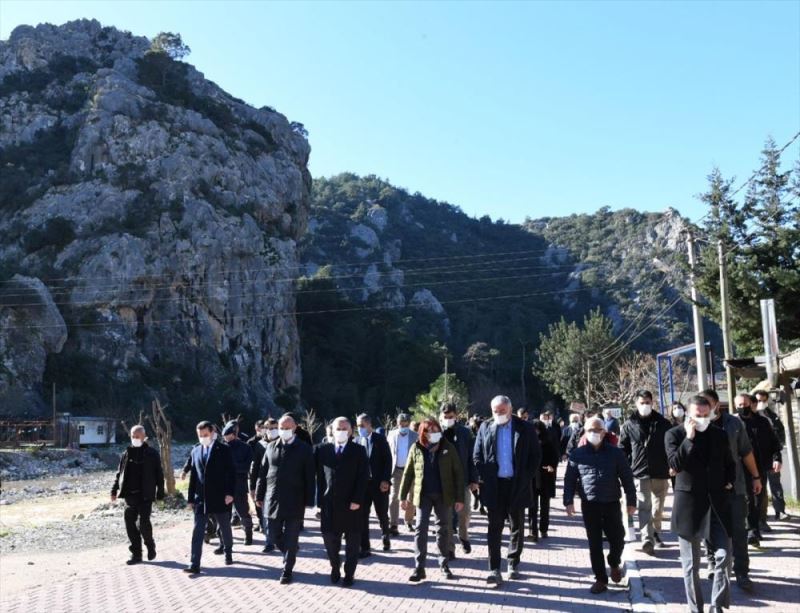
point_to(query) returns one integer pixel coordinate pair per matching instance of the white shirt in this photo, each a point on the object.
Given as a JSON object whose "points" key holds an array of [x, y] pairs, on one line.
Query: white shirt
{"points": [[402, 450]]}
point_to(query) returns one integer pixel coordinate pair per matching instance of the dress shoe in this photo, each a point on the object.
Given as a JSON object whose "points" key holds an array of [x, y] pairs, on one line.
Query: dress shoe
{"points": [[657, 539], [410, 526], [248, 536], [336, 574], [466, 546], [446, 572], [647, 547], [754, 541], [744, 582], [616, 574], [387, 544], [348, 582], [393, 531], [236, 521], [764, 527], [494, 578], [544, 534], [513, 571], [598, 587], [417, 575], [285, 579], [365, 554], [228, 560], [268, 548], [192, 570], [151, 552], [219, 550], [134, 560]]}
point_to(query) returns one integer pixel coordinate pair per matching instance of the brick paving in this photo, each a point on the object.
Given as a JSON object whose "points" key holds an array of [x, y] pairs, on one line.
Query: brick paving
{"points": [[556, 577]]}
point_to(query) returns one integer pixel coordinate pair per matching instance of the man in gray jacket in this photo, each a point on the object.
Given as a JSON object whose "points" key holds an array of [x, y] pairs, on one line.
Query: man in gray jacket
{"points": [[401, 440]]}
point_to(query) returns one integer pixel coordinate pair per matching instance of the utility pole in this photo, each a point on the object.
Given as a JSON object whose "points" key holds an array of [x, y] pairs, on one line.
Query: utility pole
{"points": [[446, 398], [726, 331], [699, 339], [589, 384], [54, 414]]}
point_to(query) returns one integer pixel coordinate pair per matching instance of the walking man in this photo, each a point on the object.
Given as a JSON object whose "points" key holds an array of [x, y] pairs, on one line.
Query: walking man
{"points": [[380, 474], [400, 439]]}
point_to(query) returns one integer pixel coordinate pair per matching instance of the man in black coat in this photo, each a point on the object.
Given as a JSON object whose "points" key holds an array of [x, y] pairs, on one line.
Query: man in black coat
{"points": [[462, 439], [211, 486], [507, 456], [139, 480], [700, 455], [267, 433], [380, 475], [284, 489], [342, 473], [642, 439], [242, 455]]}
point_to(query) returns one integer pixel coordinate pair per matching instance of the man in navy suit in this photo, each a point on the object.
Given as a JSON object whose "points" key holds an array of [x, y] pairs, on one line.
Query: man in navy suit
{"points": [[379, 457], [342, 474], [211, 488]]}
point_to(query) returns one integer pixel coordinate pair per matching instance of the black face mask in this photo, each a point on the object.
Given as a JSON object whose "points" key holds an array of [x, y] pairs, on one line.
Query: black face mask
{"points": [[746, 411]]}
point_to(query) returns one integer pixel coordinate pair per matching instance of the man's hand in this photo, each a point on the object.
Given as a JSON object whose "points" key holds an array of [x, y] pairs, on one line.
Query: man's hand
{"points": [[757, 486], [191, 506], [384, 486], [459, 507], [549, 469], [183, 476], [672, 472], [228, 499], [690, 429], [570, 510], [473, 487], [113, 497], [776, 467], [631, 511], [259, 503], [404, 504], [354, 506]]}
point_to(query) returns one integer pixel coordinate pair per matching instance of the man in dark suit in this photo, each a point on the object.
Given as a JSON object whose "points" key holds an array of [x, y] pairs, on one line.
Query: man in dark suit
{"points": [[507, 454], [242, 455], [284, 489], [211, 486], [700, 455], [342, 473], [380, 475]]}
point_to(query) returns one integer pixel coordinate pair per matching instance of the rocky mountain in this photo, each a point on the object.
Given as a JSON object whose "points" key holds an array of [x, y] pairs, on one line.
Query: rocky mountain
{"points": [[148, 228]]}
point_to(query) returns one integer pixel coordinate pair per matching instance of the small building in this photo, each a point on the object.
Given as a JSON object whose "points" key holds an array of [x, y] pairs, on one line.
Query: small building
{"points": [[90, 430]]}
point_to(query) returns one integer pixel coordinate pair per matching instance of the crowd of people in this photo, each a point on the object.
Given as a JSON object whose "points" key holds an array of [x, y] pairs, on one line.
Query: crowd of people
{"points": [[439, 469]]}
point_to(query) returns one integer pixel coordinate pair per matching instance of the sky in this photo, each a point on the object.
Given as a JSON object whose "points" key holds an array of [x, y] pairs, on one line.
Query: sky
{"points": [[507, 109]]}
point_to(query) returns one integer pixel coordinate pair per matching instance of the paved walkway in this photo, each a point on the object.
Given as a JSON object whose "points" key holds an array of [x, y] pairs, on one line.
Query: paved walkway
{"points": [[556, 577]]}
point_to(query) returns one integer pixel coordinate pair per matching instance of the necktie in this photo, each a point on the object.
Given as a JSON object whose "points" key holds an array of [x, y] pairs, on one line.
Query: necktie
{"points": [[338, 451]]}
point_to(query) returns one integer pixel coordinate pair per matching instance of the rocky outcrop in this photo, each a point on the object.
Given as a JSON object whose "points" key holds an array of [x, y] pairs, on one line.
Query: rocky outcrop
{"points": [[162, 214]]}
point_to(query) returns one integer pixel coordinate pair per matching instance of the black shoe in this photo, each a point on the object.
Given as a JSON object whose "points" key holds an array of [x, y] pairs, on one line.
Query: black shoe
{"points": [[336, 574], [207, 538], [513, 571], [417, 575], [647, 547], [764, 527], [237, 521], [754, 541], [387, 544], [448, 574], [248, 536], [134, 560], [192, 570], [744, 582], [494, 578], [285, 579], [348, 582], [228, 560], [711, 572], [151, 552], [466, 546], [219, 550], [393, 531], [657, 539], [451, 556], [268, 548], [365, 554], [410, 526], [544, 534]]}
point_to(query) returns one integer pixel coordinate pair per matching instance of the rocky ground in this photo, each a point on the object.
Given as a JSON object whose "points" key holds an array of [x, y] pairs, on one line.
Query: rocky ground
{"points": [[57, 499]]}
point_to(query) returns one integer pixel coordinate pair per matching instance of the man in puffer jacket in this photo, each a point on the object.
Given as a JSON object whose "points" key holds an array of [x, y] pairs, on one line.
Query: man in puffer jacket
{"points": [[595, 472], [642, 440]]}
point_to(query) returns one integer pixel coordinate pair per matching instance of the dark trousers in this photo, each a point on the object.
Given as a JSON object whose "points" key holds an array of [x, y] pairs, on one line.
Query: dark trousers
{"points": [[138, 509], [200, 519], [776, 489], [285, 533], [428, 503], [380, 500], [241, 504], [333, 546], [603, 518], [539, 513], [740, 558], [497, 521], [754, 504]]}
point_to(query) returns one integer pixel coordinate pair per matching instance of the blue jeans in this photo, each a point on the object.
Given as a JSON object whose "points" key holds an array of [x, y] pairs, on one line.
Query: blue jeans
{"points": [[200, 519]]}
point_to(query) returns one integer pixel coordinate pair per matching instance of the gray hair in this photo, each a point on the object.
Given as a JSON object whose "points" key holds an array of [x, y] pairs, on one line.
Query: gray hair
{"points": [[365, 418], [592, 421], [500, 400], [335, 423], [285, 418], [136, 429]]}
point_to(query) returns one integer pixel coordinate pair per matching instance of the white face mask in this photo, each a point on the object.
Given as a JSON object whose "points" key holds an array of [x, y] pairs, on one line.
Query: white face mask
{"points": [[501, 419], [205, 441], [701, 423], [712, 415], [546, 423], [136, 442], [679, 413], [434, 437], [761, 406], [644, 409], [574, 425], [448, 422], [341, 436], [594, 437], [272, 434], [285, 433]]}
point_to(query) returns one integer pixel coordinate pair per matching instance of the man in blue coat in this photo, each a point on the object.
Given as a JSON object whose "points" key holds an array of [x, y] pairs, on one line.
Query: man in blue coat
{"points": [[211, 487]]}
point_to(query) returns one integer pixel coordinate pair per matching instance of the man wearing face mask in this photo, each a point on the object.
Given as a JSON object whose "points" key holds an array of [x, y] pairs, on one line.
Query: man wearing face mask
{"points": [[461, 438], [742, 452], [705, 473], [342, 474], [642, 440], [242, 455], [434, 473], [767, 453], [380, 474], [267, 432], [507, 456], [568, 432], [595, 471], [211, 487], [611, 422], [400, 439], [284, 489], [139, 481], [773, 477]]}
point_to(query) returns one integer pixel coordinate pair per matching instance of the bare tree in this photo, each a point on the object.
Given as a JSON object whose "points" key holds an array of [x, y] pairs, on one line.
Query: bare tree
{"points": [[163, 431], [311, 422], [631, 373]]}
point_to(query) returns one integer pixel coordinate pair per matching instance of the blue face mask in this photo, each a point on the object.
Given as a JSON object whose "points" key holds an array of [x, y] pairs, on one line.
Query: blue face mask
{"points": [[363, 432], [404, 430]]}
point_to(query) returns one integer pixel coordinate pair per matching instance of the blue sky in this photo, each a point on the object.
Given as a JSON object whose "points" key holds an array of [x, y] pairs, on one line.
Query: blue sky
{"points": [[508, 109]]}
